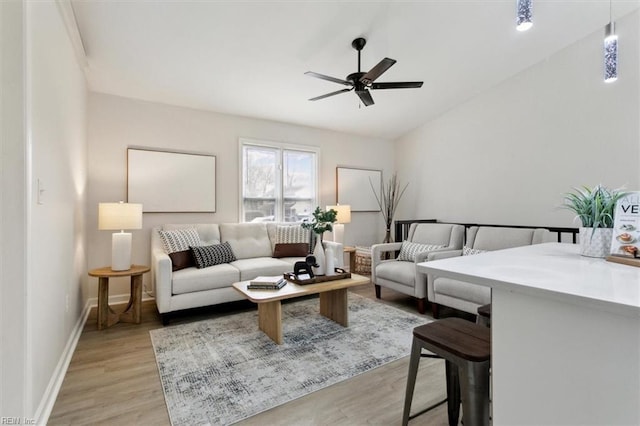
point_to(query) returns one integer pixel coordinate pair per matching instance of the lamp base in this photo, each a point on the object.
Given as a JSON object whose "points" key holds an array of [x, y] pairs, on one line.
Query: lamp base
{"points": [[121, 251], [338, 233]]}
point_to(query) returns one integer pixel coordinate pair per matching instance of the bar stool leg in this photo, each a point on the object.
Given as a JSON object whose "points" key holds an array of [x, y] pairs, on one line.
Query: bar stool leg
{"points": [[453, 393], [474, 383], [414, 361]]}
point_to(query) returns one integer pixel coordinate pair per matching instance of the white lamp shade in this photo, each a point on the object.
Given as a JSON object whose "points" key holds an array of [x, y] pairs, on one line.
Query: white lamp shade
{"points": [[114, 216], [344, 213]]}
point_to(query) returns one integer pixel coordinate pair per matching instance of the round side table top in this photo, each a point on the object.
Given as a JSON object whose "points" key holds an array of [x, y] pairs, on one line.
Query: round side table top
{"points": [[108, 272]]}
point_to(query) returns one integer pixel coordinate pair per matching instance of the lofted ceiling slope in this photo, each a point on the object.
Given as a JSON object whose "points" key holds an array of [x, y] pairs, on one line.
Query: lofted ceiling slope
{"points": [[248, 58]]}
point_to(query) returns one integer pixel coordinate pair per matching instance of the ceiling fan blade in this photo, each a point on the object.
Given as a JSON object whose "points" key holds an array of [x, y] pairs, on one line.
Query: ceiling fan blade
{"points": [[326, 77], [330, 94], [365, 97], [377, 71], [397, 85]]}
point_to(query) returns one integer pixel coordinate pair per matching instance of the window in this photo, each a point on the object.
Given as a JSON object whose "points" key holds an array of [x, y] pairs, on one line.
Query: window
{"points": [[279, 182]]}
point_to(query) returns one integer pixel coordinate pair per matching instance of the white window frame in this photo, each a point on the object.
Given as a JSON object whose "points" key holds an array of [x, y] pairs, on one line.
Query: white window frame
{"points": [[282, 147]]}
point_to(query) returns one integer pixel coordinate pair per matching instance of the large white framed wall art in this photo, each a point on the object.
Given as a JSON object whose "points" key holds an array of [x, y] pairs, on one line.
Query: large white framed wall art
{"points": [[353, 187], [174, 182]]}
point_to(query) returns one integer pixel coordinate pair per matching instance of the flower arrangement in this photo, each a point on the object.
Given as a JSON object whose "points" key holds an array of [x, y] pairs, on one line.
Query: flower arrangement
{"points": [[322, 221]]}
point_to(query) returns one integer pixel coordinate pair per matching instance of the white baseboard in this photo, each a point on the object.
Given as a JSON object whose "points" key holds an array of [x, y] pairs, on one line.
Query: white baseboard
{"points": [[53, 388], [51, 393], [117, 299]]}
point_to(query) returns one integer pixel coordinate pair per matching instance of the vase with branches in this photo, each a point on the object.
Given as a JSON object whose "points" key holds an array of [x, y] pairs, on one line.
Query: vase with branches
{"points": [[388, 200]]}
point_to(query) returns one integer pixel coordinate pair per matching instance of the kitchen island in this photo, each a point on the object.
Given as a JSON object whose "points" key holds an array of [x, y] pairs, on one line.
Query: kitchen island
{"points": [[565, 334]]}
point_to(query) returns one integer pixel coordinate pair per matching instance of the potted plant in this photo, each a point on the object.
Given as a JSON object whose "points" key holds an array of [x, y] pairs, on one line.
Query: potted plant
{"points": [[595, 208], [322, 222]]}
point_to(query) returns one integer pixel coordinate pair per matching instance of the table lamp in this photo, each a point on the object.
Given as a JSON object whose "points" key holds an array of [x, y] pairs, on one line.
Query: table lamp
{"points": [[120, 216], [343, 216]]}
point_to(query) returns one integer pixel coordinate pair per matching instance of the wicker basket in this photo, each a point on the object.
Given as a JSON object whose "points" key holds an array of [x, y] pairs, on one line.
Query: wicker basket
{"points": [[363, 260]]}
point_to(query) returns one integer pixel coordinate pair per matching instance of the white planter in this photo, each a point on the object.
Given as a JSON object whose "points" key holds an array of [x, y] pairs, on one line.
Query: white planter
{"points": [[595, 242], [318, 252]]}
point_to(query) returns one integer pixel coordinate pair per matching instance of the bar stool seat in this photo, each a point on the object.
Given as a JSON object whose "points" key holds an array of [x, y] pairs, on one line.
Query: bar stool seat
{"points": [[466, 348], [484, 315]]}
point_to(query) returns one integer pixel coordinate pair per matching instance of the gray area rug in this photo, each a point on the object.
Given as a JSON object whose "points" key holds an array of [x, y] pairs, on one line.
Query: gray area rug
{"points": [[223, 370]]}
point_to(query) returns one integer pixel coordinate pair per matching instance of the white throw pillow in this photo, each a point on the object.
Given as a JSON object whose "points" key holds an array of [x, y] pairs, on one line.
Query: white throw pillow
{"points": [[179, 239], [409, 250], [468, 251]]}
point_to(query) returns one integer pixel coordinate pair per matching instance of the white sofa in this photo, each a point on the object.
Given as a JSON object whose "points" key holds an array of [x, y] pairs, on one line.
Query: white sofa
{"points": [[469, 297], [252, 245]]}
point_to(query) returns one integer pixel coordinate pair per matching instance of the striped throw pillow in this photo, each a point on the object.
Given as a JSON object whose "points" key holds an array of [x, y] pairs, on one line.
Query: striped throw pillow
{"points": [[206, 256], [179, 239], [468, 251], [409, 250]]}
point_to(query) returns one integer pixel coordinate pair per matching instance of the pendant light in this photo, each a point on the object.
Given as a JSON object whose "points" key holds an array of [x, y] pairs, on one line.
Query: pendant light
{"points": [[610, 50], [523, 20]]}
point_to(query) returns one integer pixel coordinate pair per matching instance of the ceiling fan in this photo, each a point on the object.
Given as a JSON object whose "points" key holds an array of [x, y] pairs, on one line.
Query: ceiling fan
{"points": [[363, 81]]}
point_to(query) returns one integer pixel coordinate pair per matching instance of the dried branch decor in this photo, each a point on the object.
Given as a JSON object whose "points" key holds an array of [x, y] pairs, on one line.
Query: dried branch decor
{"points": [[388, 201]]}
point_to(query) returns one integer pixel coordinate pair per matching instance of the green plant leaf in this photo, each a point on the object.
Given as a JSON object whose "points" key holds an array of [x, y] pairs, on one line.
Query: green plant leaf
{"points": [[595, 207]]}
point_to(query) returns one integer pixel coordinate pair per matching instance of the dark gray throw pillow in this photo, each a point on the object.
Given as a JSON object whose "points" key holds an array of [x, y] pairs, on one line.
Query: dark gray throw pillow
{"points": [[181, 260], [291, 250], [216, 254]]}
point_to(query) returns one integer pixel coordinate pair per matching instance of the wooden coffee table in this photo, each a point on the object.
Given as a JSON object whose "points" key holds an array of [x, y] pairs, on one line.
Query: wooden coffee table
{"points": [[333, 302]]}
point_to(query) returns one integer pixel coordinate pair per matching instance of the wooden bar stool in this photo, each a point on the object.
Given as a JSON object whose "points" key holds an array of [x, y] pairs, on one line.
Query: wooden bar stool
{"points": [[466, 348], [484, 315]]}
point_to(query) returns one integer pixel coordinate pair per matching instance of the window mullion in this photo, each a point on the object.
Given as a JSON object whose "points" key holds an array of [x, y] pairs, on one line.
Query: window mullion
{"points": [[280, 191]]}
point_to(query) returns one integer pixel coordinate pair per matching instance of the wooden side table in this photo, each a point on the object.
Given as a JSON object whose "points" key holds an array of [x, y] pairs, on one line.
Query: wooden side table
{"points": [[352, 258], [133, 312]]}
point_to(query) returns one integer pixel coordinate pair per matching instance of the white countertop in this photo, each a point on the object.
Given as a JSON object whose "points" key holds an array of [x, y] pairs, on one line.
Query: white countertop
{"points": [[549, 270]]}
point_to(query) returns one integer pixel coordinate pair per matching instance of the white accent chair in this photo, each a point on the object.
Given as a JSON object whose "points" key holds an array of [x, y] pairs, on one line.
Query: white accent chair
{"points": [[402, 276], [469, 297]]}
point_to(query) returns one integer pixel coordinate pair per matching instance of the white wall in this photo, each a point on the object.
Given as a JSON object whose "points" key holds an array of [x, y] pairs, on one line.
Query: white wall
{"points": [[43, 301], [508, 155], [13, 211], [116, 123]]}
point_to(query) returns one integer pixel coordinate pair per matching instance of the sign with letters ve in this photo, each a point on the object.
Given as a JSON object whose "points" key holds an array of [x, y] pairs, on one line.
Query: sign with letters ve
{"points": [[626, 228]]}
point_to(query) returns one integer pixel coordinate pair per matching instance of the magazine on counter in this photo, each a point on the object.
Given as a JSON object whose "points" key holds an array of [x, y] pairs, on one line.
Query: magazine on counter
{"points": [[625, 241]]}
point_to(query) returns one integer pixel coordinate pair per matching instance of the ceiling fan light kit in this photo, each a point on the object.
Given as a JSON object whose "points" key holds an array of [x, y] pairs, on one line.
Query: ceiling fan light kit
{"points": [[362, 82]]}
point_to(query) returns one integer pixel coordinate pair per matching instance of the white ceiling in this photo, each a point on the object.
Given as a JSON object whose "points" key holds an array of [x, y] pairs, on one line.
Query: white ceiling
{"points": [[248, 58]]}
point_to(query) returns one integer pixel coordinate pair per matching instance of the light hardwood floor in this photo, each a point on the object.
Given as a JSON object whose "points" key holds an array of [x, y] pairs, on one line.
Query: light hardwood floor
{"points": [[113, 380]]}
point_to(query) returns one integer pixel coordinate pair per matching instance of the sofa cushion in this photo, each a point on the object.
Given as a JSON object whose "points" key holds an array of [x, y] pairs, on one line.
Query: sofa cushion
{"points": [[445, 234], [468, 251], [192, 279], [179, 239], [291, 250], [397, 271], [498, 238], [409, 250], [205, 256], [248, 240], [462, 290], [181, 259], [251, 268]]}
